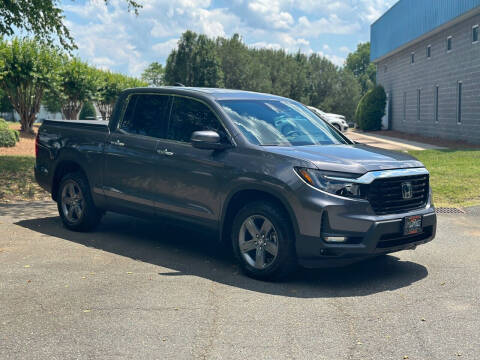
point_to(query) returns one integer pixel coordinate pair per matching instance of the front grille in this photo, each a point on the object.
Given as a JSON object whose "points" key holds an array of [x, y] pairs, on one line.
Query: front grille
{"points": [[386, 197]]}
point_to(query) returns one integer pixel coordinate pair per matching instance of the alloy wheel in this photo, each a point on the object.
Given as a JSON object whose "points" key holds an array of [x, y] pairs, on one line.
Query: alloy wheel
{"points": [[73, 202], [258, 242]]}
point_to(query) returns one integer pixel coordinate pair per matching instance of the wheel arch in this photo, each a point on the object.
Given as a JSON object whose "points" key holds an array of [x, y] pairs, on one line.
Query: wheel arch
{"points": [[65, 166], [240, 197]]}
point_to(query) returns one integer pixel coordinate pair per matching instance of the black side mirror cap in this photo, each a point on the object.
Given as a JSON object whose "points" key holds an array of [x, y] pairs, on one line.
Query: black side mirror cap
{"points": [[208, 140]]}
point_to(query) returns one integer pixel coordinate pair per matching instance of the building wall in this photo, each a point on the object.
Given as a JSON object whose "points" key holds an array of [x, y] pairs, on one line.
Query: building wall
{"points": [[408, 20], [445, 69]]}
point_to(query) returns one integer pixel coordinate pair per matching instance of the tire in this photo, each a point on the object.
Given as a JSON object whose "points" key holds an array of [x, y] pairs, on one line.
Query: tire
{"points": [[75, 203], [278, 237]]}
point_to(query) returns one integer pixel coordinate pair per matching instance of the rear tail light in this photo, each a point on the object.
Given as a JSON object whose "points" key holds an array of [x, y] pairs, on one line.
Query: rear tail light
{"points": [[36, 145]]}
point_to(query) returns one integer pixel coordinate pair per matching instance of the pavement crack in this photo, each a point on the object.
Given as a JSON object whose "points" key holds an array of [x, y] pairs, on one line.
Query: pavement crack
{"points": [[206, 337]]}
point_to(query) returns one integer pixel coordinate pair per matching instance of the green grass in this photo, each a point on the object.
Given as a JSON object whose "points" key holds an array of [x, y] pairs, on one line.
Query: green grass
{"points": [[17, 181], [454, 176]]}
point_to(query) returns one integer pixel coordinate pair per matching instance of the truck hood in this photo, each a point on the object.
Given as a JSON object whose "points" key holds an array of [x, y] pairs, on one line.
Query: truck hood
{"points": [[357, 159]]}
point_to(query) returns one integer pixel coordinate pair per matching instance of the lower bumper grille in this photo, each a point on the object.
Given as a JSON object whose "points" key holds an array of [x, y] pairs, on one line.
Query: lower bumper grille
{"points": [[398, 239]]}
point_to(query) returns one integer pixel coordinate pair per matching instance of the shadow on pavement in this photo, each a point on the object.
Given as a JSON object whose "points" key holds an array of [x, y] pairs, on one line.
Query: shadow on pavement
{"points": [[187, 252]]}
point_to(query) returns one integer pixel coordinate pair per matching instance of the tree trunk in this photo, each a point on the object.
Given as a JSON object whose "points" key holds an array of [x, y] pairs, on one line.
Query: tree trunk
{"points": [[71, 110]]}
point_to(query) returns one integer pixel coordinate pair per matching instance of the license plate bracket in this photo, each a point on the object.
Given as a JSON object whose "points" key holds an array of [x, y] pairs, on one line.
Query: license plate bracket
{"points": [[413, 225]]}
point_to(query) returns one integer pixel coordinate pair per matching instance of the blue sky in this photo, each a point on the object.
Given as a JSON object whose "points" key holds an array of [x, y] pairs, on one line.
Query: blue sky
{"points": [[111, 37]]}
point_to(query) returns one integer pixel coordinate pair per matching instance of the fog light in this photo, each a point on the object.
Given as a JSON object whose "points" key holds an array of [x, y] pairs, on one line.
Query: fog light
{"points": [[335, 239]]}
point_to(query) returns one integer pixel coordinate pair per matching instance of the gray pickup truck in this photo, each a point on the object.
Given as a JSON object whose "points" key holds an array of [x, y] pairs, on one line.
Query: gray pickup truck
{"points": [[271, 178]]}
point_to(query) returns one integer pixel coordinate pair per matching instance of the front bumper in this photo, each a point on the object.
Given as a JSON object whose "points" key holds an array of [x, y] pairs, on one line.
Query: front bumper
{"points": [[368, 234]]}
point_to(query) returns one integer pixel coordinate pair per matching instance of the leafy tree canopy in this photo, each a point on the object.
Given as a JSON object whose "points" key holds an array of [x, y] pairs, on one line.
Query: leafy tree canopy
{"points": [[27, 69], [154, 74], [42, 18], [359, 64], [312, 80]]}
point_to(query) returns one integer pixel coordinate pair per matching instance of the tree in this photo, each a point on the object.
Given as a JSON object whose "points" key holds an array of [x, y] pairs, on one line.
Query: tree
{"points": [[359, 64], [88, 111], [371, 109], [154, 74], [110, 85], [43, 18], [195, 62], [343, 96], [5, 105], [27, 69], [78, 84], [206, 68]]}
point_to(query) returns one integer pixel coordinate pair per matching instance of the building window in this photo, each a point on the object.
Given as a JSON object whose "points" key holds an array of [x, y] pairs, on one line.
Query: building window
{"points": [[429, 51], [449, 43], [459, 102], [412, 58], [475, 34], [418, 104], [404, 106], [385, 69], [435, 103]]}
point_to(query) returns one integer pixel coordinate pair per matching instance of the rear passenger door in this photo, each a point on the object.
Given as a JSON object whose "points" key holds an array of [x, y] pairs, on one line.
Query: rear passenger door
{"points": [[189, 179], [130, 153]]}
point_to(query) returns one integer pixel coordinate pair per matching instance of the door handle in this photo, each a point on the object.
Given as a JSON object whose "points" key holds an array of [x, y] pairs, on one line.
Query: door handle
{"points": [[117, 143], [165, 152]]}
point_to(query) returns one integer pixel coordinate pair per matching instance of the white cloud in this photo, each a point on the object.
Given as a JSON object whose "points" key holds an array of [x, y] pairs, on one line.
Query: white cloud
{"points": [[163, 49], [114, 38]]}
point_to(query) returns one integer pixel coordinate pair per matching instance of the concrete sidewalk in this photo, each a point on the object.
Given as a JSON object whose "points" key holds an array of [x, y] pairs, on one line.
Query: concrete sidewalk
{"points": [[386, 142]]}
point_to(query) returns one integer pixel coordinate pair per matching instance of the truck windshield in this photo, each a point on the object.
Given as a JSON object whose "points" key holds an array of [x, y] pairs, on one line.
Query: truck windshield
{"points": [[279, 123]]}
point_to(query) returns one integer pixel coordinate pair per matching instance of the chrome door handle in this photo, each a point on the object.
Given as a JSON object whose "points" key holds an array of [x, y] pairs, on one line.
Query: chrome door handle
{"points": [[165, 152], [117, 143]]}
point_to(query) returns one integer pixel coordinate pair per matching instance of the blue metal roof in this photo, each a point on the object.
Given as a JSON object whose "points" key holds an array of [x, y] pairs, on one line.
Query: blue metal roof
{"points": [[408, 20]]}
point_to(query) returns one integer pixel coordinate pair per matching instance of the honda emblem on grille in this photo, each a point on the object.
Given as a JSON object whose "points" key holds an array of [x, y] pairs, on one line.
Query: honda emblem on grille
{"points": [[407, 192]]}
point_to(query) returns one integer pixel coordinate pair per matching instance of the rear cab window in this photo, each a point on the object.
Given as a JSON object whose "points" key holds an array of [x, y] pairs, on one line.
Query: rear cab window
{"points": [[146, 115]]}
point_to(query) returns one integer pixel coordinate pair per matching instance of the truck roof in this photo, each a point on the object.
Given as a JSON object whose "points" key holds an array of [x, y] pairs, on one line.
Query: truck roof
{"points": [[215, 93]]}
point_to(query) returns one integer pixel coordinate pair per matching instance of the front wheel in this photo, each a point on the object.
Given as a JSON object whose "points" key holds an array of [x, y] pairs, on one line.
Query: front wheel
{"points": [[75, 203], [263, 241]]}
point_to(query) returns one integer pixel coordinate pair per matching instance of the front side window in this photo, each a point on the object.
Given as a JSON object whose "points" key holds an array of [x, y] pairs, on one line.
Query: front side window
{"points": [[279, 123], [146, 115], [190, 115]]}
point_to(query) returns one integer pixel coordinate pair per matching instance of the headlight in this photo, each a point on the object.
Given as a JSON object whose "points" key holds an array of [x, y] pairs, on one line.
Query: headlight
{"points": [[325, 182]]}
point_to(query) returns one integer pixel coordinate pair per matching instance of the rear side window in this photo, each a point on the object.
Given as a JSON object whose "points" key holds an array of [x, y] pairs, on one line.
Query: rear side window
{"points": [[190, 115], [146, 115]]}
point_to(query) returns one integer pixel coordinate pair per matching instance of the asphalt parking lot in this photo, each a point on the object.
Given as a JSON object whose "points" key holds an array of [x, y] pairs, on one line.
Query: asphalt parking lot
{"points": [[144, 290]]}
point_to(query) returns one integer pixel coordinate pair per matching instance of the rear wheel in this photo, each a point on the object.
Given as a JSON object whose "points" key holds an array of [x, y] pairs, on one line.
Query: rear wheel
{"points": [[263, 242], [75, 204]]}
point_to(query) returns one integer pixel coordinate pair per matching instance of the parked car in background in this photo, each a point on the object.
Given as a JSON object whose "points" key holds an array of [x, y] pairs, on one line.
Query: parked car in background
{"points": [[336, 120], [267, 175]]}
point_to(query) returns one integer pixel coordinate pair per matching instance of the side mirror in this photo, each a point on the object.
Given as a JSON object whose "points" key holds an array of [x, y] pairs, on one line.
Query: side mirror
{"points": [[209, 140]]}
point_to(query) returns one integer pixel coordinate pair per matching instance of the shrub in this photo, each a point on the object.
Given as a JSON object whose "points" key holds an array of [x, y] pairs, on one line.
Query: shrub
{"points": [[8, 138], [88, 111], [3, 124], [371, 109]]}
